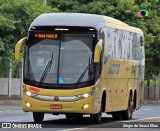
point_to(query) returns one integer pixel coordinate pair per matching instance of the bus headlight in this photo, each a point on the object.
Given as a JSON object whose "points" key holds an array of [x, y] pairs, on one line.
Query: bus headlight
{"points": [[85, 95], [28, 93]]}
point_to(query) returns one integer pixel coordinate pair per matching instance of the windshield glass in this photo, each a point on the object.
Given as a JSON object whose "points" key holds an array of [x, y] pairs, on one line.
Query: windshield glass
{"points": [[75, 56], [60, 62], [39, 53]]}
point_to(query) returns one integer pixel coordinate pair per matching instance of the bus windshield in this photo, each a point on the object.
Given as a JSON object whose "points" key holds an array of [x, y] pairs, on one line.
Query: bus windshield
{"points": [[59, 61]]}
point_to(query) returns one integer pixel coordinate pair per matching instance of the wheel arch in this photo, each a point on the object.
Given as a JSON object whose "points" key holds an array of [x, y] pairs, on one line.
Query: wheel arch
{"points": [[104, 95], [130, 94], [135, 99]]}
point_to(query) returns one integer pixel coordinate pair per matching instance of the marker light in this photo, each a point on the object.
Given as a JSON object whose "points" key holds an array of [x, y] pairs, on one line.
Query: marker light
{"points": [[36, 90], [61, 29], [28, 104], [33, 27], [91, 29], [85, 106]]}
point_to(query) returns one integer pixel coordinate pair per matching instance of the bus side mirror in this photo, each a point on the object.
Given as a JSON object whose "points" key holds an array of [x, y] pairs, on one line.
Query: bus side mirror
{"points": [[18, 47], [97, 51]]}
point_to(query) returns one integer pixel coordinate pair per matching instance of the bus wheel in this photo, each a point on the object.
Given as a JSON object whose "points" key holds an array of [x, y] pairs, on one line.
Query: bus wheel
{"points": [[76, 116], [38, 116], [116, 116], [127, 114], [96, 118], [69, 116]]}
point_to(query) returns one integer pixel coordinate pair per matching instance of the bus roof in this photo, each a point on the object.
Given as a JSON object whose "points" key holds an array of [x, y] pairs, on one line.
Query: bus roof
{"points": [[69, 19], [114, 23], [81, 19]]}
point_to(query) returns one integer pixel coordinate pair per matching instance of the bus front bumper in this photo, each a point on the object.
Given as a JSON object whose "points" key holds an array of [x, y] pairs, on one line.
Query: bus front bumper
{"points": [[84, 106]]}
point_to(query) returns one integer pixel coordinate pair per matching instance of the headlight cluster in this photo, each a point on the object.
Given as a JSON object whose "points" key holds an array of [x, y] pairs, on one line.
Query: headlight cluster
{"points": [[85, 95], [28, 93]]}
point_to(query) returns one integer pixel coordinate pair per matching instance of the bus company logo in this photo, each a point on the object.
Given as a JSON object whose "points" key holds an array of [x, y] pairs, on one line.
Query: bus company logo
{"points": [[142, 12], [56, 98]]}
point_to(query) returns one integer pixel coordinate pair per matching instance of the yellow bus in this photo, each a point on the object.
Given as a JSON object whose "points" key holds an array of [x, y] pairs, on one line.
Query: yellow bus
{"points": [[77, 64]]}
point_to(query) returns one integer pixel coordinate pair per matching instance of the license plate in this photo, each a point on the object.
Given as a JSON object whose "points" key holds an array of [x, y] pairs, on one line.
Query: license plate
{"points": [[56, 106]]}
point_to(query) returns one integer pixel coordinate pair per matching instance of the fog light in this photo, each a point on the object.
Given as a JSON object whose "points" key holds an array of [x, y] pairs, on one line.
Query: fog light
{"points": [[85, 106], [28, 104]]}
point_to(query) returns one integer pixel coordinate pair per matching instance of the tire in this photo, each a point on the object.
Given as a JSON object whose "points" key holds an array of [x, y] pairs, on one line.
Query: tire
{"points": [[116, 116], [38, 116], [128, 114], [69, 116], [75, 116], [78, 116], [96, 118]]}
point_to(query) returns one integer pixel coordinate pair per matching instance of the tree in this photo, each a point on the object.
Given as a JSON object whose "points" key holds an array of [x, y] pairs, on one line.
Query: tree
{"points": [[15, 18], [126, 11], [152, 36]]}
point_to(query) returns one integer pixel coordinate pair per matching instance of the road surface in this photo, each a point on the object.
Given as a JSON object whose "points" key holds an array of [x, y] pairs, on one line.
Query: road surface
{"points": [[148, 113]]}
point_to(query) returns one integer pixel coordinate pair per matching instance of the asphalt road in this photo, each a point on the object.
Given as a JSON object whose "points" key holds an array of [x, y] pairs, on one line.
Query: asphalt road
{"points": [[148, 113]]}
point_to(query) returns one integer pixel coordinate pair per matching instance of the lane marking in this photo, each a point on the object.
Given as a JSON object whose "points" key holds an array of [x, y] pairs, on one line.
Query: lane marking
{"points": [[18, 110], [71, 129], [14, 120], [146, 109], [143, 119], [10, 110]]}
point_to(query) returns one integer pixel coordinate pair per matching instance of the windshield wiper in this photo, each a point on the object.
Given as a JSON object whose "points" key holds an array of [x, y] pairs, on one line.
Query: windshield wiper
{"points": [[84, 72], [47, 68]]}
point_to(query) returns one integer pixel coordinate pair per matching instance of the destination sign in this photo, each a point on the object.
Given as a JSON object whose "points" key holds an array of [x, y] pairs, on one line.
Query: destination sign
{"points": [[45, 36]]}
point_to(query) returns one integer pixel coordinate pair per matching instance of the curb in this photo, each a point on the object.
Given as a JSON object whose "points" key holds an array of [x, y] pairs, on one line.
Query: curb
{"points": [[10, 102], [151, 102]]}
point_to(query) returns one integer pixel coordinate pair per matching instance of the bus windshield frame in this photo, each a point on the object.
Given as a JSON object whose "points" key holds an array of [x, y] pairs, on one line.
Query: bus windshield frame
{"points": [[64, 62]]}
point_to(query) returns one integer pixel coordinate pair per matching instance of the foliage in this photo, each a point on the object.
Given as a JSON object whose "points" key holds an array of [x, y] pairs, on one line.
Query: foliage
{"points": [[126, 11], [16, 15], [15, 18], [152, 37]]}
